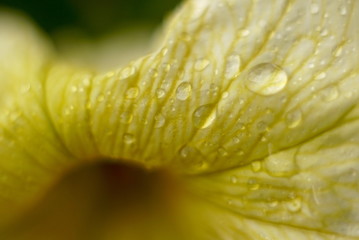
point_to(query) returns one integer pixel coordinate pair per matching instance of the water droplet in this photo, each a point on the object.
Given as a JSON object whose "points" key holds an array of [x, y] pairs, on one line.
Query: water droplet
{"points": [[280, 165], [294, 205], [233, 179], [273, 204], [160, 93], [127, 72], [232, 66], [183, 91], [201, 64], [132, 93], [256, 166], [192, 158], [253, 184], [320, 76], [126, 117], [329, 94], [129, 138], [314, 8], [222, 152], [159, 121], [343, 10], [266, 79], [293, 118], [244, 33], [225, 95], [204, 116], [337, 52]]}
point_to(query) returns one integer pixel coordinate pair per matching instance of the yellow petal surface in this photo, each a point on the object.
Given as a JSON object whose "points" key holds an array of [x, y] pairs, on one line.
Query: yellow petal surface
{"points": [[253, 102]]}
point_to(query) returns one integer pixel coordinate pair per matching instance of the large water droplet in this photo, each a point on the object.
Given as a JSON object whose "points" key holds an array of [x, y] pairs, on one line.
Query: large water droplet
{"points": [[293, 118], [184, 91], [192, 158], [232, 66], [329, 94], [266, 79], [129, 138], [204, 116], [132, 93], [159, 121], [201, 64]]}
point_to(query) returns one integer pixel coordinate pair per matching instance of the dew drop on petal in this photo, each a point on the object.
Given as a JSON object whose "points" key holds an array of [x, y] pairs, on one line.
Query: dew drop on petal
{"points": [[253, 184], [183, 91], [159, 121], [204, 116], [294, 205], [126, 117], [232, 66], [127, 72], [201, 64], [256, 166], [314, 8], [132, 93], [329, 94], [343, 10], [266, 79], [160, 93], [293, 118], [280, 166], [128, 138]]}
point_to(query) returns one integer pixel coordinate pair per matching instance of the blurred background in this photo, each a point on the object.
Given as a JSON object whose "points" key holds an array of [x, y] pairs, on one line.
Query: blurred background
{"points": [[99, 34], [94, 17]]}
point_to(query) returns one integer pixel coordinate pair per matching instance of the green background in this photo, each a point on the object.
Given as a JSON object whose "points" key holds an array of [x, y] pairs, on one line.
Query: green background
{"points": [[94, 17]]}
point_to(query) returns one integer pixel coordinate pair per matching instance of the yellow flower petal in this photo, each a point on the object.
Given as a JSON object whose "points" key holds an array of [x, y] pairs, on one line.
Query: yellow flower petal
{"points": [[258, 97]]}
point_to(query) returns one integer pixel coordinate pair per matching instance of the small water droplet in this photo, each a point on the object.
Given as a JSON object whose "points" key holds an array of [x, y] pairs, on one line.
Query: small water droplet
{"points": [[337, 52], [160, 93], [266, 79], [126, 117], [225, 95], [280, 165], [320, 76], [293, 118], [192, 158], [222, 152], [244, 33], [204, 116], [183, 91], [343, 10], [294, 205], [273, 204], [132, 93], [159, 121], [253, 184], [129, 138], [329, 94], [233, 179], [232, 66], [256, 166], [127, 72], [314, 8], [201, 64]]}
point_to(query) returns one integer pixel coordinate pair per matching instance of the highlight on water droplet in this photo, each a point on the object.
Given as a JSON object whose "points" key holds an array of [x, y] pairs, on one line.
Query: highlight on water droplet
{"points": [[132, 93], [233, 65], [128, 138], [293, 118], [204, 116], [329, 94], [233, 179], [266, 79], [201, 64], [183, 91]]}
